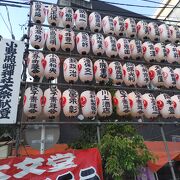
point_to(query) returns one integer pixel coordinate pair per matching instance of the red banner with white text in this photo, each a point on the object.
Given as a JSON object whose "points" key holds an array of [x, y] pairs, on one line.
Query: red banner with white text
{"points": [[69, 165]]}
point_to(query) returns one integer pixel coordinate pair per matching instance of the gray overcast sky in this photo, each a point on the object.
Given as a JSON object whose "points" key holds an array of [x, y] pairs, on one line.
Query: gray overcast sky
{"points": [[18, 16]]}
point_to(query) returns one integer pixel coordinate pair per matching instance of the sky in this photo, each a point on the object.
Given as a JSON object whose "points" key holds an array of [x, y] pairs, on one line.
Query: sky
{"points": [[18, 16]]}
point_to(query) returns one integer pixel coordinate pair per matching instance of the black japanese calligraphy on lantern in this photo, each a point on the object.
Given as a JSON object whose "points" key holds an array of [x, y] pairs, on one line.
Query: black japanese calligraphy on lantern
{"points": [[125, 104], [35, 68], [105, 102], [118, 70], [68, 15], [52, 64], [93, 102], [126, 47], [97, 19], [68, 37], [52, 36], [99, 41], [131, 72], [113, 43], [153, 103], [37, 9], [111, 23], [145, 73], [38, 33], [73, 101], [33, 99], [139, 102], [53, 13], [138, 46], [133, 24], [53, 100], [85, 40], [159, 73], [88, 67], [103, 69], [6, 81], [82, 15]]}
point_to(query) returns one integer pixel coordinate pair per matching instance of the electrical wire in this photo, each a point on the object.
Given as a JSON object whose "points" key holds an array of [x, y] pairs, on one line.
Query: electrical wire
{"points": [[7, 11], [13, 5], [136, 5], [156, 2], [16, 2], [124, 14], [5, 23]]}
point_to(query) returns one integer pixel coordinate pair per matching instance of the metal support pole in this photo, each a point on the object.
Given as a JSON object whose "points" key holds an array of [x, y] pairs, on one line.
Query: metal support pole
{"points": [[156, 176], [98, 134], [18, 139], [168, 154], [42, 144]]}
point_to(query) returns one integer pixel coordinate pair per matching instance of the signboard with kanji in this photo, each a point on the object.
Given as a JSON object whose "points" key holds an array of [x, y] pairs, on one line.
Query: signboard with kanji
{"points": [[11, 56], [69, 165]]}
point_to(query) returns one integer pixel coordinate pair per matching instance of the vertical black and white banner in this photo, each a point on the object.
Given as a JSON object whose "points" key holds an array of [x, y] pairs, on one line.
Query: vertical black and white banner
{"points": [[11, 57]]}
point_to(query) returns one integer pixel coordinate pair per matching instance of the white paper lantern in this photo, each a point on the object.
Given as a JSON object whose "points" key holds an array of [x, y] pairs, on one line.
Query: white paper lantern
{"points": [[119, 26], [148, 51], [168, 77], [67, 39], [177, 76], [136, 104], [115, 72], [38, 12], [70, 103], [32, 102], [155, 74], [150, 106], [104, 103], [53, 39], [174, 34], [153, 29], [37, 37], [83, 43], [123, 48], [142, 30], [129, 74], [97, 42], [160, 51], [110, 46], [53, 15], [85, 68], [95, 22], [80, 17], [176, 104], [52, 69], [67, 17], [172, 53], [165, 105], [121, 102], [52, 102], [142, 75], [88, 104], [130, 27], [178, 51], [164, 33], [101, 71], [36, 64], [108, 25], [135, 49], [70, 67]]}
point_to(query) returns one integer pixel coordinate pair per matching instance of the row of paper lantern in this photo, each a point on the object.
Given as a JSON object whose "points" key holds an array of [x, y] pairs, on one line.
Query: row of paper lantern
{"points": [[110, 25], [51, 101], [85, 71], [134, 49]]}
